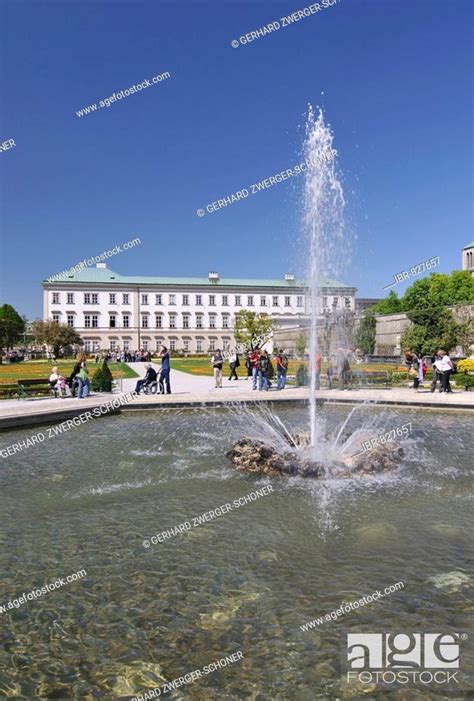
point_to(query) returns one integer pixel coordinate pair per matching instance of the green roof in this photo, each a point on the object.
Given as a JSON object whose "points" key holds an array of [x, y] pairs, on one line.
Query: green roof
{"points": [[469, 245], [105, 275]]}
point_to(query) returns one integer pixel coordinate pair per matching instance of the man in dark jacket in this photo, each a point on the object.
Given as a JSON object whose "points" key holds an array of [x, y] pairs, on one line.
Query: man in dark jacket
{"points": [[150, 376]]}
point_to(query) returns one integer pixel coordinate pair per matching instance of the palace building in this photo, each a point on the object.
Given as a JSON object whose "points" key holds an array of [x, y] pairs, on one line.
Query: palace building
{"points": [[194, 315]]}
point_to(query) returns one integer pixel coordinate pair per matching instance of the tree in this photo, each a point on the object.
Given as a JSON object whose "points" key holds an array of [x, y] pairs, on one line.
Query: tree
{"points": [[301, 343], [432, 329], [365, 338], [55, 335], [252, 329], [12, 326], [102, 379], [390, 305]]}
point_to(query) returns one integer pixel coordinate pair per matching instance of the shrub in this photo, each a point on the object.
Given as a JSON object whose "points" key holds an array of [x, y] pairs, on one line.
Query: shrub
{"points": [[466, 365], [464, 380], [102, 380]]}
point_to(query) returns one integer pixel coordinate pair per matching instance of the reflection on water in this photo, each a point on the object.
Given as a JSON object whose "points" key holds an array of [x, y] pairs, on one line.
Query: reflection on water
{"points": [[247, 580]]}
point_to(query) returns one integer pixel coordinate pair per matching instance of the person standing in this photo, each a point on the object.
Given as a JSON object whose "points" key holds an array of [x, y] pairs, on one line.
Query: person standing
{"points": [[164, 379], [318, 364], [234, 363], [254, 360], [445, 366], [83, 383], [217, 361], [263, 371], [282, 369]]}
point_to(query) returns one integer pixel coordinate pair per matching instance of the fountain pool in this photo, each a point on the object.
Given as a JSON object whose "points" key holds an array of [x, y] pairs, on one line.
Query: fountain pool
{"points": [[245, 581]]}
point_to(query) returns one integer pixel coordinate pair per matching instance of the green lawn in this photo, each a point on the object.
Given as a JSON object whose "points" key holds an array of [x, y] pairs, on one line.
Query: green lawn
{"points": [[32, 369]]}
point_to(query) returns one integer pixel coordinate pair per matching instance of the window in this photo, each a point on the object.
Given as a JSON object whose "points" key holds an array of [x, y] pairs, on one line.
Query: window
{"points": [[299, 301], [225, 300], [275, 300], [199, 321], [126, 299], [95, 346], [199, 299], [347, 302], [212, 321], [185, 321], [263, 301], [55, 297], [112, 298], [225, 321], [158, 299], [126, 323], [238, 303], [335, 302], [70, 298], [173, 344], [212, 300], [113, 345], [159, 343], [325, 301], [113, 321], [87, 346], [250, 301], [91, 298], [145, 345], [91, 321], [287, 301], [70, 320], [159, 321], [212, 344], [225, 344], [172, 300], [144, 321], [186, 345], [172, 321], [126, 345], [185, 300], [145, 299], [56, 318], [199, 346]]}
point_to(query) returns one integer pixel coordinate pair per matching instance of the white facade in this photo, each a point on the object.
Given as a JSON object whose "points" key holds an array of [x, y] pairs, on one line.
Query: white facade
{"points": [[195, 315]]}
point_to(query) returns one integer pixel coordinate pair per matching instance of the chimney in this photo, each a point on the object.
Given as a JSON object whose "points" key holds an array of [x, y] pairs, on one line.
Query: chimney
{"points": [[289, 277], [213, 277], [101, 265]]}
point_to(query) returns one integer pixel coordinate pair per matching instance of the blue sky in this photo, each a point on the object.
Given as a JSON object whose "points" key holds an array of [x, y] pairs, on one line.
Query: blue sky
{"points": [[394, 79]]}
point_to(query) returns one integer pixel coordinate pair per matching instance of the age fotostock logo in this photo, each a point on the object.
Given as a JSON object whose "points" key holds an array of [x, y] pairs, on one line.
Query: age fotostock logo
{"points": [[403, 658]]}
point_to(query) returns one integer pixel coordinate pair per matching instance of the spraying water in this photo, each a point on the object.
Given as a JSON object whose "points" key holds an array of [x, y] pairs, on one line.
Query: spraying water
{"points": [[324, 231]]}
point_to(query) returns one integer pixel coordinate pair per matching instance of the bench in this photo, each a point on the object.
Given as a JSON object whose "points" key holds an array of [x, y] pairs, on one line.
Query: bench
{"points": [[8, 390], [367, 379], [33, 387]]}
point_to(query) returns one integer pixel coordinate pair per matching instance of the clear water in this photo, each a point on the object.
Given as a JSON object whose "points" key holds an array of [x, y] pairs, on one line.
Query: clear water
{"points": [[247, 580]]}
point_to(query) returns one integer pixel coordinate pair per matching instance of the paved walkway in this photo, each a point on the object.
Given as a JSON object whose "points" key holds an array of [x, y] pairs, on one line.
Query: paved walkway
{"points": [[191, 390]]}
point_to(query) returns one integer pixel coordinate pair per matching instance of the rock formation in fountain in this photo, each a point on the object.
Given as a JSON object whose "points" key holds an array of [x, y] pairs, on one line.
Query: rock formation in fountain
{"points": [[255, 456]]}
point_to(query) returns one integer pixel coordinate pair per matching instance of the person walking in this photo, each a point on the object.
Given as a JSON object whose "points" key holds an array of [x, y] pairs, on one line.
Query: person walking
{"points": [[417, 370], [234, 363], [248, 363], [437, 374], [164, 379], [217, 361], [282, 369]]}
